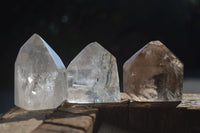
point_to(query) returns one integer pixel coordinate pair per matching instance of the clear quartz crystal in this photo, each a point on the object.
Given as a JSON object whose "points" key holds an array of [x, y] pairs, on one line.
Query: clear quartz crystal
{"points": [[40, 76], [153, 74], [93, 76]]}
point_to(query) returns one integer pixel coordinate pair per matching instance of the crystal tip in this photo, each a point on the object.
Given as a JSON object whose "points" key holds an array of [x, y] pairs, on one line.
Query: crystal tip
{"points": [[156, 42]]}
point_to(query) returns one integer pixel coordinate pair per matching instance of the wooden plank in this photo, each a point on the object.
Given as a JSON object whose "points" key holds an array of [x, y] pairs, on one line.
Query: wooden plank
{"points": [[22, 121], [110, 117], [80, 117], [190, 101], [52, 128], [149, 117]]}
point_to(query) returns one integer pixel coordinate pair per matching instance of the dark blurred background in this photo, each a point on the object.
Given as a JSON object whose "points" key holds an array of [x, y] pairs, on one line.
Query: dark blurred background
{"points": [[121, 26]]}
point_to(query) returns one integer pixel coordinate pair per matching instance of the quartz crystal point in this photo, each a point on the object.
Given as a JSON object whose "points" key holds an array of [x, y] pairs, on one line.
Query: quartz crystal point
{"points": [[40, 76], [93, 76], [153, 74]]}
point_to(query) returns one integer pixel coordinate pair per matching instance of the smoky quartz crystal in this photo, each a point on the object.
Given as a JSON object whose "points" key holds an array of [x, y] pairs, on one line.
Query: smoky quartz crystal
{"points": [[154, 73]]}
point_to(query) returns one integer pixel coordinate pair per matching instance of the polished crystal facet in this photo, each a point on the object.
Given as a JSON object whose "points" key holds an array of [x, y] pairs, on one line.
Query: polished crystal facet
{"points": [[153, 74], [40, 76], [93, 76]]}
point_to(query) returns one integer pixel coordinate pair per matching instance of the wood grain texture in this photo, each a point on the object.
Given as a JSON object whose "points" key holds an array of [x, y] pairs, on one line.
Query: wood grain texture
{"points": [[18, 120], [52, 128], [122, 117], [190, 101]]}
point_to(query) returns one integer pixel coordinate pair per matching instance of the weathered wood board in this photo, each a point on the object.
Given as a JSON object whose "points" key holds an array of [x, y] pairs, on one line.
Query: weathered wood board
{"points": [[120, 117]]}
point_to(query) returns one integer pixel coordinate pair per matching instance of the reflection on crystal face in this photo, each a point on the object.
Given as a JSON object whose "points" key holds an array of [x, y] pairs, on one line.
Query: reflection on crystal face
{"points": [[93, 76], [153, 74], [40, 76]]}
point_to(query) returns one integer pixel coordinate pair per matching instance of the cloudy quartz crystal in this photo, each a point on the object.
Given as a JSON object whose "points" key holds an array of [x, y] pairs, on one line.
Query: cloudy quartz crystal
{"points": [[93, 76], [40, 76], [153, 74]]}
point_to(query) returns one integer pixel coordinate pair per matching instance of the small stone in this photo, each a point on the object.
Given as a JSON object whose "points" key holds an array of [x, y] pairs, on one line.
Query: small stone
{"points": [[93, 76], [153, 74], [40, 76]]}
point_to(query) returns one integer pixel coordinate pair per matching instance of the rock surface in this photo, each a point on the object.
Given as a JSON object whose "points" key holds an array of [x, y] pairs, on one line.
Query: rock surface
{"points": [[153, 74]]}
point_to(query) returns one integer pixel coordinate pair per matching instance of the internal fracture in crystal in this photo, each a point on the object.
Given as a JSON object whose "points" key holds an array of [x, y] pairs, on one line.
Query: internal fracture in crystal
{"points": [[93, 76], [40, 76], [154, 73]]}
